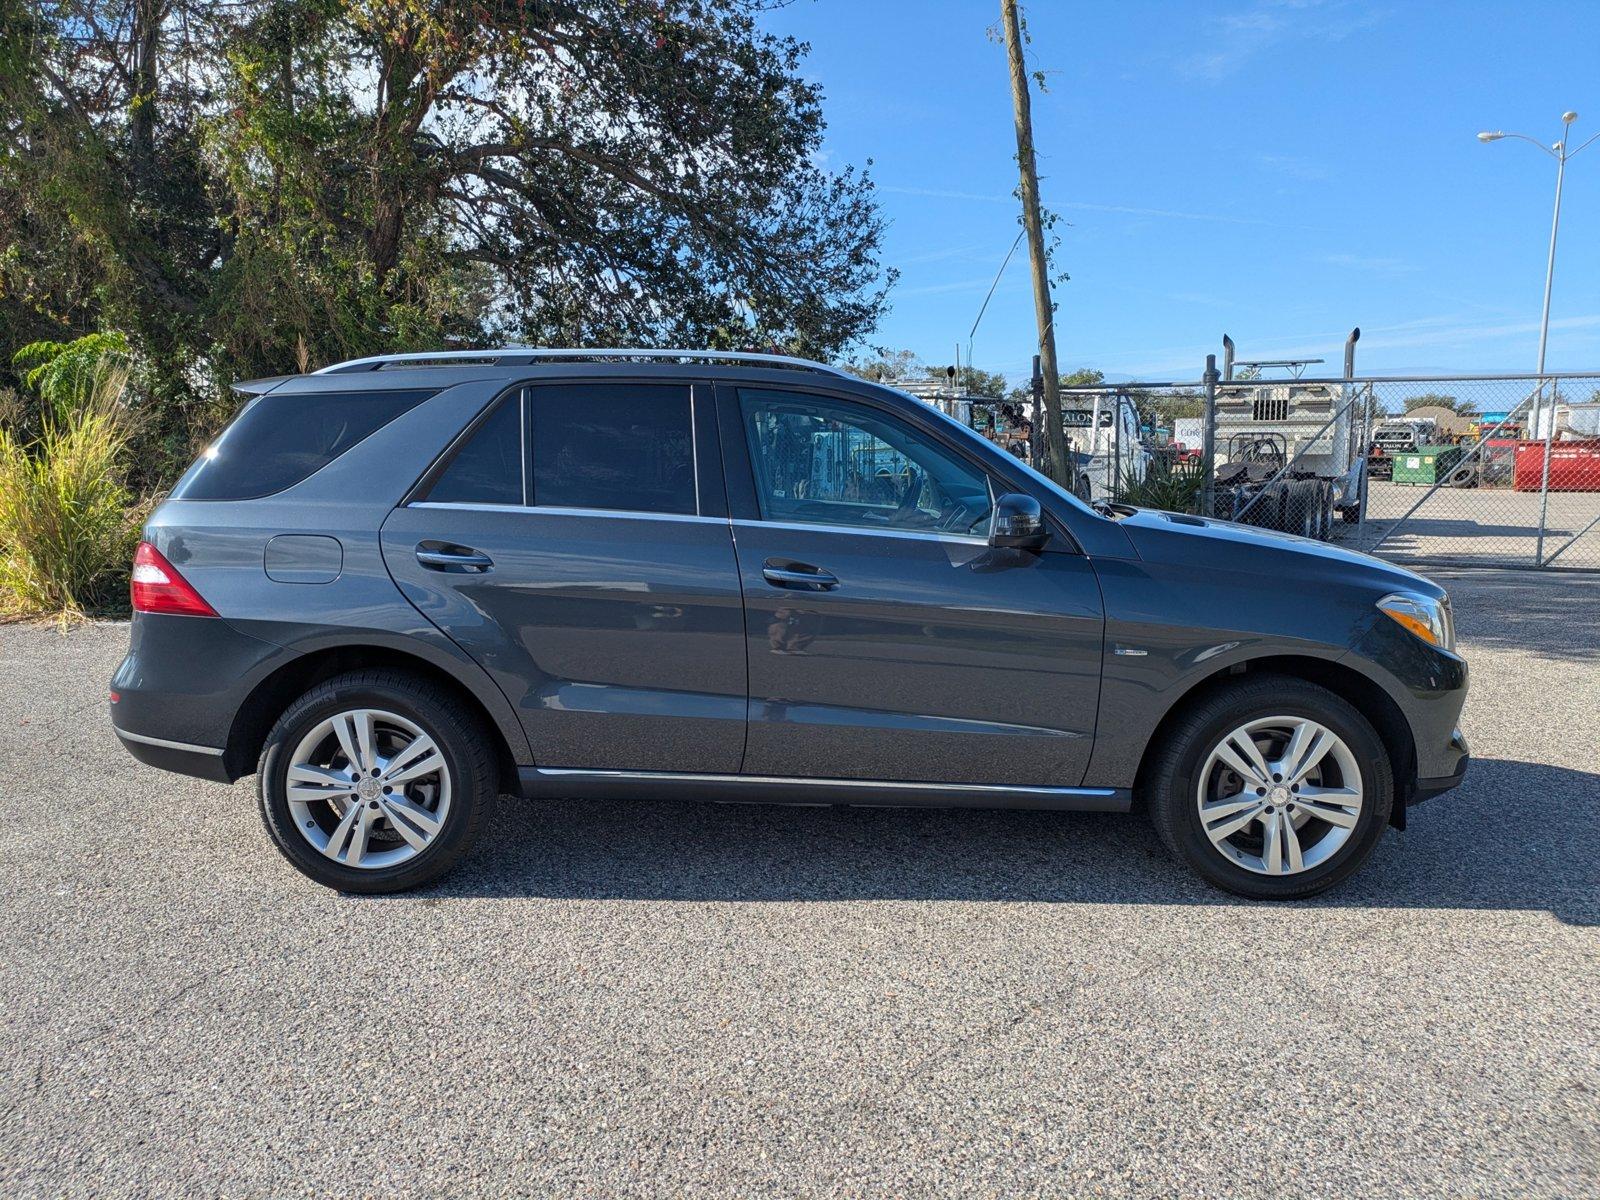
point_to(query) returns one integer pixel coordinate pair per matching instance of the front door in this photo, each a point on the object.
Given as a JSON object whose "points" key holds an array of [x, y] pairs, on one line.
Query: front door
{"points": [[577, 546], [887, 640]]}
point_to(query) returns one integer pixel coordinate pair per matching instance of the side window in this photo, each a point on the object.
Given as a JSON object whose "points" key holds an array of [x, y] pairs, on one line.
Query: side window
{"points": [[280, 438], [487, 467], [621, 446], [824, 461]]}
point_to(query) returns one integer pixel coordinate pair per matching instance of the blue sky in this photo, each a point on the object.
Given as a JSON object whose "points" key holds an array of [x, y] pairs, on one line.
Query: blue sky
{"points": [[1279, 170]]}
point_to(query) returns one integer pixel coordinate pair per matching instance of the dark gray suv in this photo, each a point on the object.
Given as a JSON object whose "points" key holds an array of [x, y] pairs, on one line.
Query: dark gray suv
{"points": [[402, 586]]}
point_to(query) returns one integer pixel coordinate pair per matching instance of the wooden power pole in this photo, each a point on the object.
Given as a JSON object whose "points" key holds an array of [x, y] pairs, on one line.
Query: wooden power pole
{"points": [[1043, 307]]}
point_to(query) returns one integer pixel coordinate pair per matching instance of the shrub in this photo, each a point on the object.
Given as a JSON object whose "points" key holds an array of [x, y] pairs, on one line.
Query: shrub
{"points": [[1167, 485], [67, 375], [66, 530]]}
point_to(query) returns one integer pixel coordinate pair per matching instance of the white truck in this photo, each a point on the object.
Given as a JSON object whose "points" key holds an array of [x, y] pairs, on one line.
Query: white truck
{"points": [[1285, 455], [1103, 439]]}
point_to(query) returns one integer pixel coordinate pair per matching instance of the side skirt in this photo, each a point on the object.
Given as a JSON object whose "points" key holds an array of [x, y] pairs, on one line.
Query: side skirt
{"points": [[551, 783]]}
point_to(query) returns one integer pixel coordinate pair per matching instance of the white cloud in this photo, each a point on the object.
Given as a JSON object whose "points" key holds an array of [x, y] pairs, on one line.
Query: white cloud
{"points": [[1240, 37]]}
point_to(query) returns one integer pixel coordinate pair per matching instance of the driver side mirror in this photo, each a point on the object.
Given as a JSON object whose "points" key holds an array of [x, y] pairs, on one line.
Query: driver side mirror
{"points": [[1018, 523]]}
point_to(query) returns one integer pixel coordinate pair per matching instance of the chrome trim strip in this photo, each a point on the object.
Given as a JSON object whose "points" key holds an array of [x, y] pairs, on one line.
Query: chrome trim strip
{"points": [[917, 534], [164, 743], [553, 510], [518, 355], [866, 784]]}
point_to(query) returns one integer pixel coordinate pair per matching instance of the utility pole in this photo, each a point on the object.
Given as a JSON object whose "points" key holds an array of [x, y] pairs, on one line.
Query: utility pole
{"points": [[1033, 225]]}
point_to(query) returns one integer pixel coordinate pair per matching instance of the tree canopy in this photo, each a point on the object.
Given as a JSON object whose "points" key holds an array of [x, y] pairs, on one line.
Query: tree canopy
{"points": [[253, 187]]}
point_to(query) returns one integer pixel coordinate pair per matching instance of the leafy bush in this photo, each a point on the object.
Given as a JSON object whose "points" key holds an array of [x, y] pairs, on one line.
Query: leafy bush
{"points": [[1167, 485], [66, 530], [67, 374]]}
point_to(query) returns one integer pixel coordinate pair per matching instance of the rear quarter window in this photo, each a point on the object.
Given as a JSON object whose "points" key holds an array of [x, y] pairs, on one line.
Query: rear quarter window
{"points": [[279, 440]]}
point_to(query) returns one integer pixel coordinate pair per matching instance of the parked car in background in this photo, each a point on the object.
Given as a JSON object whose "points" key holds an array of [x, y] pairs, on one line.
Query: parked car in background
{"points": [[402, 586]]}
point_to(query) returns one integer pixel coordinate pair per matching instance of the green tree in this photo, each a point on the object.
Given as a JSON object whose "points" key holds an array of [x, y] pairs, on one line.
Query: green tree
{"points": [[249, 187], [104, 214], [583, 172], [885, 366], [974, 381]]}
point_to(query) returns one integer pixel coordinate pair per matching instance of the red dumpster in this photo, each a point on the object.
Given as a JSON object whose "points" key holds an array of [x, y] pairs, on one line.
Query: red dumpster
{"points": [[1574, 466]]}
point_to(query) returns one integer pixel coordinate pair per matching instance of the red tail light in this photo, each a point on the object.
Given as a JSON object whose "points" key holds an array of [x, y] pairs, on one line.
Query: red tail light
{"points": [[158, 588]]}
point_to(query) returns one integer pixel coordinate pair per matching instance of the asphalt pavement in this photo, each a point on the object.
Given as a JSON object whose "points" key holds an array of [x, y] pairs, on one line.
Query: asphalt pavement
{"points": [[619, 999]]}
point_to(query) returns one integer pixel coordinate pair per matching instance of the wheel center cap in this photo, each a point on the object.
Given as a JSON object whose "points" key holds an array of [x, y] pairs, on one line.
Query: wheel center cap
{"points": [[1278, 795], [368, 788]]}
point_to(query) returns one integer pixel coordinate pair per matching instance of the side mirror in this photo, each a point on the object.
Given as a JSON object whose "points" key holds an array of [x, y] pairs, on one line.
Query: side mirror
{"points": [[1018, 523]]}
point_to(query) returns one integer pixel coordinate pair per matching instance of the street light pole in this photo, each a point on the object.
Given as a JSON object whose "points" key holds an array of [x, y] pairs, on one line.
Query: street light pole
{"points": [[1545, 415], [1550, 261]]}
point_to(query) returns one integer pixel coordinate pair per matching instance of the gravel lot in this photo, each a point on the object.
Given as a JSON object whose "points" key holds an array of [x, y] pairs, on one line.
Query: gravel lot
{"points": [[1487, 526], [629, 999]]}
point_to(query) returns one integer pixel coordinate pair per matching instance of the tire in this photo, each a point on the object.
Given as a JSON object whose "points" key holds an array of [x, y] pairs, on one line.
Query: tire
{"points": [[312, 823], [1278, 508], [1171, 792], [1303, 500]]}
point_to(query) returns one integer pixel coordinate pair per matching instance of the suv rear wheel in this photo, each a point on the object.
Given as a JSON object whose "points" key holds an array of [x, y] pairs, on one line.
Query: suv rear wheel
{"points": [[1273, 788], [375, 781]]}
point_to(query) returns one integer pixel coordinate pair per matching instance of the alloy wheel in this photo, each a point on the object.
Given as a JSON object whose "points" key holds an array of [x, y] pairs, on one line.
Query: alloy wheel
{"points": [[1280, 795], [368, 788]]}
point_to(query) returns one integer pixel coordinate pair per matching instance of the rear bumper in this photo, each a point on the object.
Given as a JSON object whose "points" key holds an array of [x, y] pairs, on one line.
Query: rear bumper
{"points": [[176, 695], [203, 762]]}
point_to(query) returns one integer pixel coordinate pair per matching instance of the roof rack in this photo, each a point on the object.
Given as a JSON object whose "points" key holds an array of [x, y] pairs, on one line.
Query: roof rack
{"points": [[518, 355]]}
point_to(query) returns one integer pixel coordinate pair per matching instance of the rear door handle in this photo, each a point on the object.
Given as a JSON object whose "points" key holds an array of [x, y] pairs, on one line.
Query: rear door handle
{"points": [[438, 557], [785, 574]]}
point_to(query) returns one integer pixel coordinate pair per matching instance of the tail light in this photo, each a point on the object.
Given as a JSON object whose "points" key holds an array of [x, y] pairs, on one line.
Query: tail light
{"points": [[158, 588]]}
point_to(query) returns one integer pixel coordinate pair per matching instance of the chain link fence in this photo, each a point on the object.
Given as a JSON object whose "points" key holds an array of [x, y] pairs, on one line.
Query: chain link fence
{"points": [[1491, 470]]}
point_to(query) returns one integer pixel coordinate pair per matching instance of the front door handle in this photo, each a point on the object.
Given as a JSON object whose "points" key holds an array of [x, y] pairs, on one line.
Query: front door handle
{"points": [[780, 572], [438, 557]]}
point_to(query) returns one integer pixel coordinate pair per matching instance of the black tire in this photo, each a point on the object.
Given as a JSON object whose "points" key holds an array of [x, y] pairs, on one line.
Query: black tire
{"points": [[463, 741], [1305, 497], [1278, 508], [1169, 783]]}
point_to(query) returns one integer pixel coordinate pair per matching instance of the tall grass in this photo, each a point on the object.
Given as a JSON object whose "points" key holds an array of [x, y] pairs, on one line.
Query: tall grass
{"points": [[67, 529]]}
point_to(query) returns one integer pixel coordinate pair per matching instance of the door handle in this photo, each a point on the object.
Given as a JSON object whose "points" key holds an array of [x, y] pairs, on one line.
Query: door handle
{"points": [[782, 573], [452, 558]]}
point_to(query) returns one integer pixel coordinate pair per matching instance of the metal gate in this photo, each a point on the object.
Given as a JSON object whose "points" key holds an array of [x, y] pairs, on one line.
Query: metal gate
{"points": [[1458, 470]]}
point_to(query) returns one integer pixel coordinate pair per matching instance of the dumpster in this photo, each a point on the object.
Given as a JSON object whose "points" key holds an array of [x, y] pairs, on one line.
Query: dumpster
{"points": [[1426, 464], [1574, 466]]}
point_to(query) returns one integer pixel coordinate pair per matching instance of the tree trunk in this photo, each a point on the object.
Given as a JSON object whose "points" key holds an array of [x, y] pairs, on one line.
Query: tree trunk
{"points": [[1038, 258], [388, 219], [145, 45]]}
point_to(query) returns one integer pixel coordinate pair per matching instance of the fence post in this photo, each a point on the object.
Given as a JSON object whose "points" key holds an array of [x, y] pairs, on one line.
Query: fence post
{"points": [[1208, 440], [1544, 474], [1367, 414]]}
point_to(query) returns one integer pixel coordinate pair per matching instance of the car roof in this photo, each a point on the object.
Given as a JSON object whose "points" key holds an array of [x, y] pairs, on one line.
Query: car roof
{"points": [[446, 368]]}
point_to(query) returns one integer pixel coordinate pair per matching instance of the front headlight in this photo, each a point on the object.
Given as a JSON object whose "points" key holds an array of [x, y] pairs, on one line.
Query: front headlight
{"points": [[1424, 616]]}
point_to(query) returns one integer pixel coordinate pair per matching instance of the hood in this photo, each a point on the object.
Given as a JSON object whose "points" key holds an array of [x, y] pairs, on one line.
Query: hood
{"points": [[1229, 545]]}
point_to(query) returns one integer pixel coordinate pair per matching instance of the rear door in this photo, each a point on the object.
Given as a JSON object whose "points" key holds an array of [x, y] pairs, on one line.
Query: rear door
{"points": [[887, 640], [576, 542]]}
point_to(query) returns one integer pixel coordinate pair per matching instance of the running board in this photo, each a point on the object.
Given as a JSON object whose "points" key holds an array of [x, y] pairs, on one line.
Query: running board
{"points": [[553, 782]]}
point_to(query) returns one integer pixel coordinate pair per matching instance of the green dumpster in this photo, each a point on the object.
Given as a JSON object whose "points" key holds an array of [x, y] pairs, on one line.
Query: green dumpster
{"points": [[1426, 464]]}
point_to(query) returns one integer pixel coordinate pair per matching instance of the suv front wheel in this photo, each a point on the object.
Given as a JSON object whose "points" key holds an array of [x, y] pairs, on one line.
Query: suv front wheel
{"points": [[375, 781], [1273, 788]]}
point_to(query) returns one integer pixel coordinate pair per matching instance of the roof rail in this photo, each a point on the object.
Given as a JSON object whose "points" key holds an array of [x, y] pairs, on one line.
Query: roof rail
{"points": [[518, 355]]}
